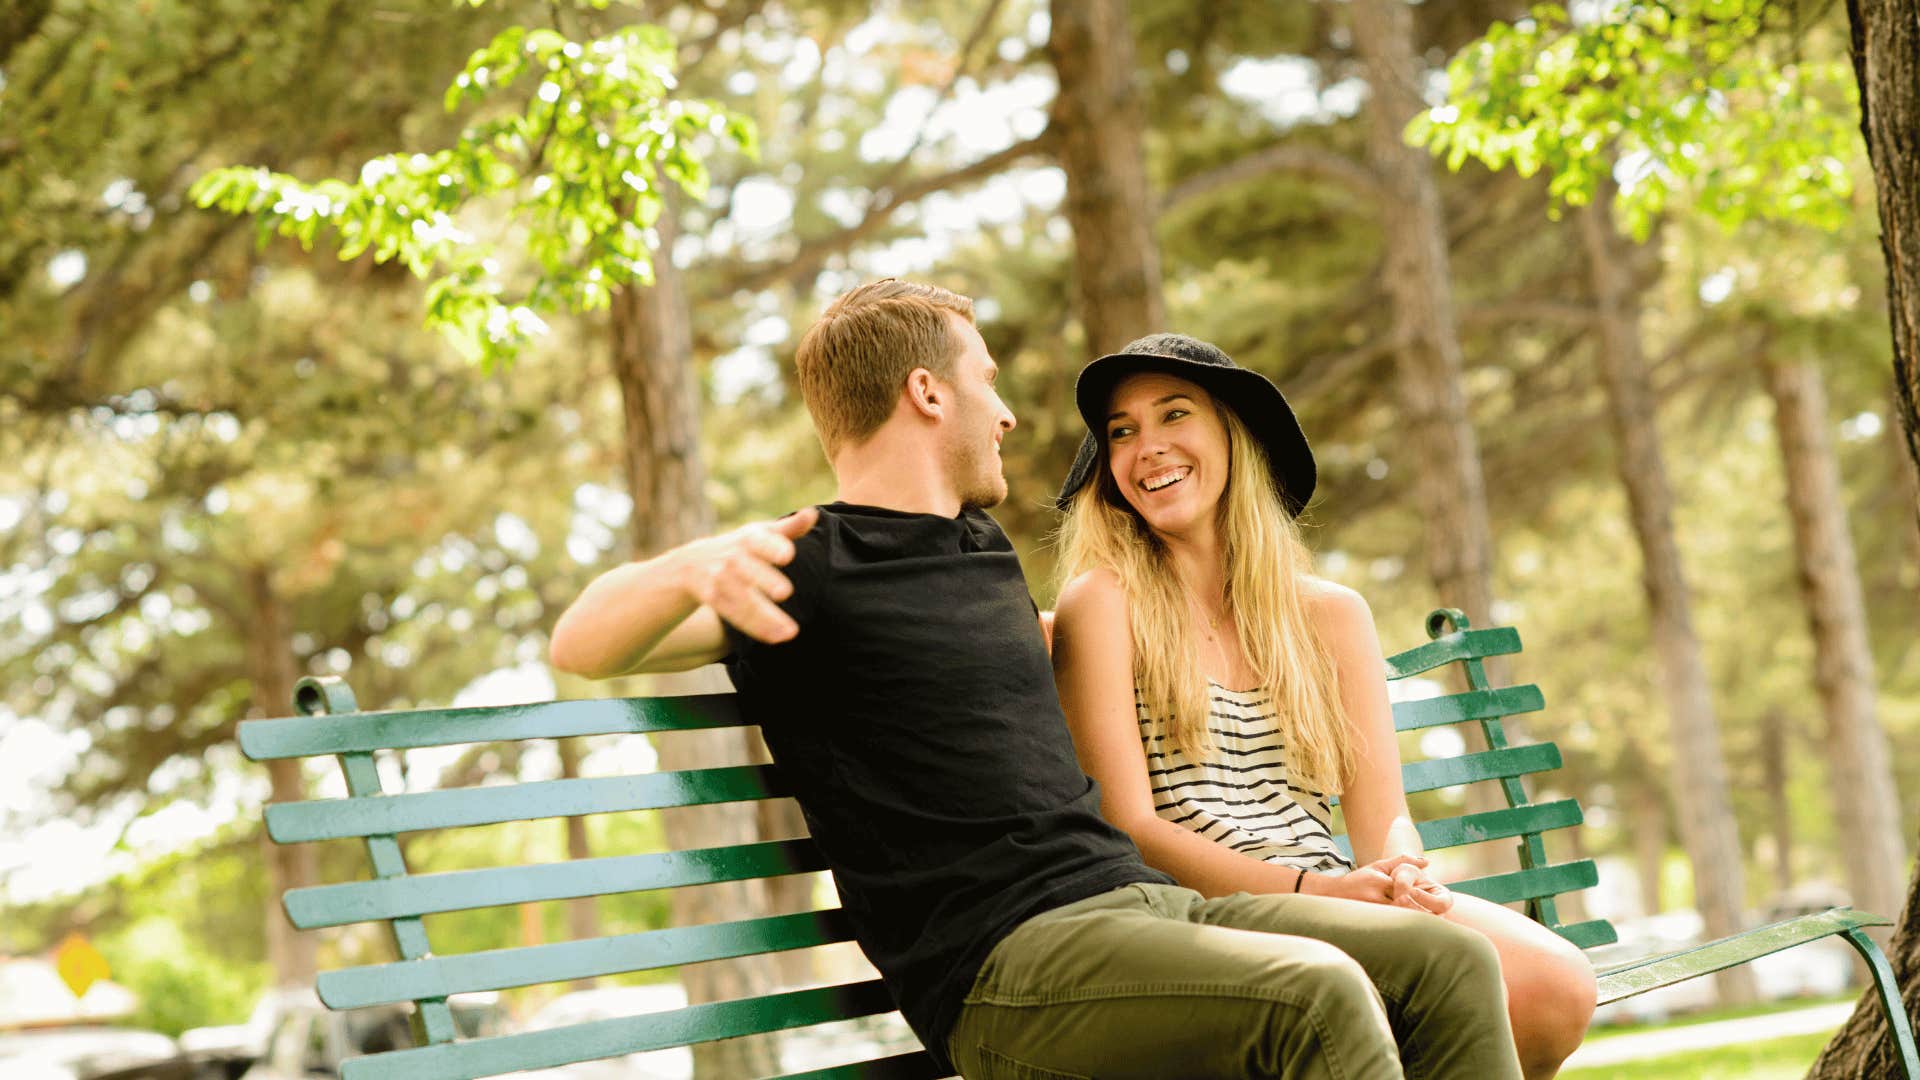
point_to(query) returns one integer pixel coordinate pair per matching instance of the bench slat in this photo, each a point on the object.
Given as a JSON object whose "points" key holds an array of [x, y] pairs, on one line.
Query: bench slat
{"points": [[915, 1066], [332, 819], [502, 969], [1589, 934], [1651, 973], [458, 890], [1489, 825], [1467, 768], [1472, 705], [1460, 645], [1531, 884], [627, 1035], [310, 736], [1499, 824]]}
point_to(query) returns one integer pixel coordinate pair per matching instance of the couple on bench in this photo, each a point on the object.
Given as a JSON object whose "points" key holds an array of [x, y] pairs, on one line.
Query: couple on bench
{"points": [[1131, 875]]}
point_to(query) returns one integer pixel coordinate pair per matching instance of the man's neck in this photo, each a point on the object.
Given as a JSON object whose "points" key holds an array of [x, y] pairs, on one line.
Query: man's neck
{"points": [[895, 474]]}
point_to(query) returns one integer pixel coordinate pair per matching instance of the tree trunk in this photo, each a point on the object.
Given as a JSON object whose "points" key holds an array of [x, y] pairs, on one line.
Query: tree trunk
{"points": [[583, 912], [271, 673], [1908, 479], [1886, 64], [1859, 763], [1773, 769], [1116, 260], [653, 361], [1707, 825], [1648, 823], [1436, 429], [1861, 1047]]}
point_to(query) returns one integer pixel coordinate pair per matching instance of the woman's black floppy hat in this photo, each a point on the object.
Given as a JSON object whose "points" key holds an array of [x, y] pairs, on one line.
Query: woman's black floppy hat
{"points": [[1251, 395]]}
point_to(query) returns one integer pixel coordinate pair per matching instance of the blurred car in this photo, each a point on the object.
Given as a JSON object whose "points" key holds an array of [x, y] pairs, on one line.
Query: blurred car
{"points": [[608, 1003], [91, 1053], [812, 1048], [308, 1039]]}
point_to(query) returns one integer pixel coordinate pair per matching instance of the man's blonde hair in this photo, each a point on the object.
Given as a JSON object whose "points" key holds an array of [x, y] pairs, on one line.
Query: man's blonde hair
{"points": [[853, 361]]}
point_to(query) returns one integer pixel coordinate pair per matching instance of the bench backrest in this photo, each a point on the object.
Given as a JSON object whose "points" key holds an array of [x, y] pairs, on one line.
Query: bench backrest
{"points": [[1537, 881], [331, 725]]}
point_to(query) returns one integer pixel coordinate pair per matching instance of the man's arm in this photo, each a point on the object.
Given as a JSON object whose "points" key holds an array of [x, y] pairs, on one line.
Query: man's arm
{"points": [[665, 614]]}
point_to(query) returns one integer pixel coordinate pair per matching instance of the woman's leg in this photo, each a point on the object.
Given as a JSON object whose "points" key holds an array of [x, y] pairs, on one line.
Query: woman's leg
{"points": [[1550, 984]]}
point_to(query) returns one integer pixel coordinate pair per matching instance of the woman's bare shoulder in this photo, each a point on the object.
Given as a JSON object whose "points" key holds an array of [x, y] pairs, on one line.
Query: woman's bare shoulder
{"points": [[1324, 595], [1093, 590]]}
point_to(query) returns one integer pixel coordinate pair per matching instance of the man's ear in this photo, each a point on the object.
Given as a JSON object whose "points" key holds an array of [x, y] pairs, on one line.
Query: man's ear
{"points": [[926, 394]]}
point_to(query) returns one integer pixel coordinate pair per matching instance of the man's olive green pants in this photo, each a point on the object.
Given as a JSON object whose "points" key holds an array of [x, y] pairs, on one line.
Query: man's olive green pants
{"points": [[1158, 982]]}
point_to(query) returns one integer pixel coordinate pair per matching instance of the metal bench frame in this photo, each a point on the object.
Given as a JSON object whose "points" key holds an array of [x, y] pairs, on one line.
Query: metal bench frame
{"points": [[330, 724]]}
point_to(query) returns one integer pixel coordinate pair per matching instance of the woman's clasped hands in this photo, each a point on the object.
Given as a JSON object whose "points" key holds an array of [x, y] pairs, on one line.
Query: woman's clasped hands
{"points": [[1399, 880]]}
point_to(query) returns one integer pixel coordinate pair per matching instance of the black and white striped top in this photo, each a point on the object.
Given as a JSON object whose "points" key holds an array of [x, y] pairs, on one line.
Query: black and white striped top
{"points": [[1241, 795]]}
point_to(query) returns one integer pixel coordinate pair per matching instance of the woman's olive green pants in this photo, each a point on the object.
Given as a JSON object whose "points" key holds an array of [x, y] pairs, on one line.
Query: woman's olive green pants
{"points": [[1159, 982]]}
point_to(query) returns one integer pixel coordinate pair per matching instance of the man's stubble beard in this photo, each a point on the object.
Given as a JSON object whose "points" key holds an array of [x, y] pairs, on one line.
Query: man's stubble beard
{"points": [[978, 476]]}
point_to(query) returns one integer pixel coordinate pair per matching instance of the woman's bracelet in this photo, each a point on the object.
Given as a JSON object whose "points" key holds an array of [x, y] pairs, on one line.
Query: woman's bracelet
{"points": [[1299, 881]]}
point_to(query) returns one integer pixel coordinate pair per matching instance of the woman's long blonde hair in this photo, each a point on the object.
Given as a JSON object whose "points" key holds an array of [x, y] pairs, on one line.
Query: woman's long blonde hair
{"points": [[1267, 563]]}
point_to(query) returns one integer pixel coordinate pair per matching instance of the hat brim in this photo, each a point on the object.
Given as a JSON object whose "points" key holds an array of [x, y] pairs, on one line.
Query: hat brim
{"points": [[1251, 395]]}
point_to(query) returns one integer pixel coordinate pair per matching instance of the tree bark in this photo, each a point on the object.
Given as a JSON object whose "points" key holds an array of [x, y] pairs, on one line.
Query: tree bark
{"points": [[1097, 115], [1859, 763], [1886, 64], [653, 361], [1861, 1048], [1436, 426], [271, 674], [1707, 826], [1436, 430], [1648, 824], [1649, 854], [583, 912], [1908, 474], [1773, 768]]}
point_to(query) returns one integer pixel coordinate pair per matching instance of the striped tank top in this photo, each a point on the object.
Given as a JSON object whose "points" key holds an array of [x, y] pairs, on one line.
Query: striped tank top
{"points": [[1241, 795]]}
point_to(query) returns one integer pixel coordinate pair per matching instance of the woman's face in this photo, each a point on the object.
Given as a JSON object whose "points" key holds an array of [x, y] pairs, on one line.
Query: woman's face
{"points": [[1167, 451]]}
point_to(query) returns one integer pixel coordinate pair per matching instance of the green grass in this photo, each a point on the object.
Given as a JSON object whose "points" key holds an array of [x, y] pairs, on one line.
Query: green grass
{"points": [[1774, 1059]]}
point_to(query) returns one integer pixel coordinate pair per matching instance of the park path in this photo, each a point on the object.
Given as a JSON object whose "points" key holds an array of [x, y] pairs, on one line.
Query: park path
{"points": [[1674, 1040]]}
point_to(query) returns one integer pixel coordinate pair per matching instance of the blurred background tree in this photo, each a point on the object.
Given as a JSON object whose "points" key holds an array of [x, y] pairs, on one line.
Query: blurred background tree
{"points": [[227, 463]]}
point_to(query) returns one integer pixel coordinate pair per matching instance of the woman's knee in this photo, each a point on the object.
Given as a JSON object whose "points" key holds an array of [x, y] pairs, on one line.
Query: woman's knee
{"points": [[1551, 999]]}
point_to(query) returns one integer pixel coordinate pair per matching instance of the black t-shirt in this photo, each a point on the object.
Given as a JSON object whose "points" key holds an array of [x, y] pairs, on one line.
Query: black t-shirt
{"points": [[915, 718]]}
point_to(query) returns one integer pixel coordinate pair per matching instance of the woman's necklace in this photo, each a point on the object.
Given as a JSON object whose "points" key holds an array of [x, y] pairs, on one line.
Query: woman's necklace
{"points": [[1213, 620]]}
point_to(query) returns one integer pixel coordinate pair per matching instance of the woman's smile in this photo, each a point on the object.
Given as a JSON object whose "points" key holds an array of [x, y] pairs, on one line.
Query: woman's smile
{"points": [[1166, 478]]}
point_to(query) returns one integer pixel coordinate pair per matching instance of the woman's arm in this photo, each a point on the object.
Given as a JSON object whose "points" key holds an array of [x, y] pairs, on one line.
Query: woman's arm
{"points": [[1093, 665], [1372, 798]]}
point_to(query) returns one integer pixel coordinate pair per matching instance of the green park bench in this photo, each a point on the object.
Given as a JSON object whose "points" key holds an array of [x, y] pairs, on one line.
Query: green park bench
{"points": [[330, 724]]}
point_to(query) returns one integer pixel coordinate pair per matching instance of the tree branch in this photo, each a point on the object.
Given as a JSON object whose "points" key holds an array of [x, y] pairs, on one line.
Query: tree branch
{"points": [[1317, 374], [1281, 158], [1480, 316], [812, 253], [980, 28]]}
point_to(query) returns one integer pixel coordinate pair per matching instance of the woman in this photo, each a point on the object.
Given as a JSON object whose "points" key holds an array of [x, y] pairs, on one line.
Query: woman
{"points": [[1218, 691]]}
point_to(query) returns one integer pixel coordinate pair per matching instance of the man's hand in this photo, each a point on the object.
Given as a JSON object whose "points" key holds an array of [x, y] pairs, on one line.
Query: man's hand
{"points": [[1400, 881], [737, 574]]}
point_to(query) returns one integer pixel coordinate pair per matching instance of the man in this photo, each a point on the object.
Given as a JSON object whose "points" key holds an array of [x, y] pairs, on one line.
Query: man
{"points": [[898, 671]]}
